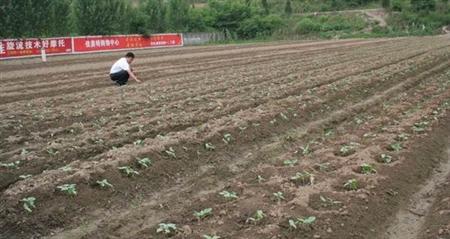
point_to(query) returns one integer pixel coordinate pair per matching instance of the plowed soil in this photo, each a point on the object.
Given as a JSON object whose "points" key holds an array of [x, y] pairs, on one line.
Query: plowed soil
{"points": [[246, 119]]}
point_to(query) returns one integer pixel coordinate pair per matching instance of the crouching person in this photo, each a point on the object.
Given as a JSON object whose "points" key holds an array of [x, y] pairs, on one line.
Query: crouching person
{"points": [[121, 71]]}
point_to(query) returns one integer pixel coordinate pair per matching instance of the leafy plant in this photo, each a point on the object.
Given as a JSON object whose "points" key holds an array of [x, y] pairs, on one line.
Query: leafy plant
{"points": [[210, 147], [367, 169], [420, 127], [304, 178], [29, 203], [283, 116], [305, 150], [166, 228], [203, 213], [346, 150], [66, 168], [171, 152], [127, 170], [211, 237], [260, 179], [385, 158], [229, 195], [227, 138], [279, 196], [25, 176], [329, 201], [144, 162], [323, 167], [293, 223], [139, 142], [397, 146], [402, 137], [104, 184], [351, 185], [290, 163], [12, 165], [52, 152], [69, 189], [259, 215]]}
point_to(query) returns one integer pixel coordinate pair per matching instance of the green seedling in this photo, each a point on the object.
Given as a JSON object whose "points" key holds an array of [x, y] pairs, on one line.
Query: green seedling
{"points": [[25, 176], [66, 168], [139, 142], [351, 185], [227, 138], [304, 178], [329, 201], [69, 189], [305, 150], [283, 116], [166, 228], [171, 152], [24, 152], [279, 196], [13, 165], [144, 162], [347, 150], [210, 147], [127, 170], [402, 137], [290, 163], [52, 152], [210, 237], [29, 203], [104, 184], [323, 167], [229, 195], [260, 179], [367, 169], [420, 127], [328, 132], [294, 223], [203, 213], [259, 215], [384, 158], [397, 146]]}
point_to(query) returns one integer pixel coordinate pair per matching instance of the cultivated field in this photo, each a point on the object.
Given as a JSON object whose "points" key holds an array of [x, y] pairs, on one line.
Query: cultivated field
{"points": [[331, 139]]}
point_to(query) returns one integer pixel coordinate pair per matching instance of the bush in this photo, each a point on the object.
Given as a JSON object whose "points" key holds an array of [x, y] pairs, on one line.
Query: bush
{"points": [[307, 25], [259, 26], [398, 5]]}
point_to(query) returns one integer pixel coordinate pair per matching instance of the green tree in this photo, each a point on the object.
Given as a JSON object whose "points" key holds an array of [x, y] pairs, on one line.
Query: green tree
{"points": [[423, 5], [102, 17], [386, 4], [60, 17], [265, 6], [177, 15], [288, 8], [156, 12]]}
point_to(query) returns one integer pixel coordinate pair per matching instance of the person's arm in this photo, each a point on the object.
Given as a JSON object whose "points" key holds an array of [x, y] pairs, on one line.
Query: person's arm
{"points": [[130, 72]]}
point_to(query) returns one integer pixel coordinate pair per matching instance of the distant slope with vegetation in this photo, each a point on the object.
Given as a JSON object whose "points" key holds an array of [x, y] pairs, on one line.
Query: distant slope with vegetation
{"points": [[239, 19]]}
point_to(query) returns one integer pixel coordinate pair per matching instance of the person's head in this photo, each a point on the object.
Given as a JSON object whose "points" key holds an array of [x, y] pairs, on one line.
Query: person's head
{"points": [[130, 57]]}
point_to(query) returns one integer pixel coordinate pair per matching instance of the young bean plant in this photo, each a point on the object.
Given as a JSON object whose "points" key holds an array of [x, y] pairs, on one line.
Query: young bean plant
{"points": [[210, 147], [166, 228], [69, 189], [227, 138], [367, 169], [29, 203], [290, 162], [211, 237], [144, 162], [385, 158], [259, 215], [304, 178], [104, 183], [279, 196], [229, 195], [351, 185], [127, 170], [203, 213], [171, 152]]}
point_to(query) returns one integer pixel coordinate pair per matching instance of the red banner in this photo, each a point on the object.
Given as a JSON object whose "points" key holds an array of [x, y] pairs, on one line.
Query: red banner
{"points": [[121, 42], [10, 48]]}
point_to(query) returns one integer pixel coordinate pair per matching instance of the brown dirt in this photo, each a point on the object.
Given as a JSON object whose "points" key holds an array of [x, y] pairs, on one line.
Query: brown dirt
{"points": [[298, 101]]}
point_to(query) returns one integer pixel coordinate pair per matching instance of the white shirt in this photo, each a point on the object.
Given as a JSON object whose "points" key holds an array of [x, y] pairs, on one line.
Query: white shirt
{"points": [[120, 65]]}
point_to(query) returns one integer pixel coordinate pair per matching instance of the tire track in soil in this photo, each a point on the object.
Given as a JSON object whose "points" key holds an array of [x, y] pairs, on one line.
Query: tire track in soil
{"points": [[409, 221], [132, 221]]}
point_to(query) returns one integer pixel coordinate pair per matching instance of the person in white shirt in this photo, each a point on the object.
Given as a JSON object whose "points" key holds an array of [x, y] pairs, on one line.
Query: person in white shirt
{"points": [[121, 70]]}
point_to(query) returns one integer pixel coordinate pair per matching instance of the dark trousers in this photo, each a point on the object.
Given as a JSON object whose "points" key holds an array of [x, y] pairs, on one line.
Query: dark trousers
{"points": [[121, 77]]}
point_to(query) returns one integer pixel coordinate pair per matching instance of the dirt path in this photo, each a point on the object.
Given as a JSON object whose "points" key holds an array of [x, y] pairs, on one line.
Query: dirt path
{"points": [[410, 221]]}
